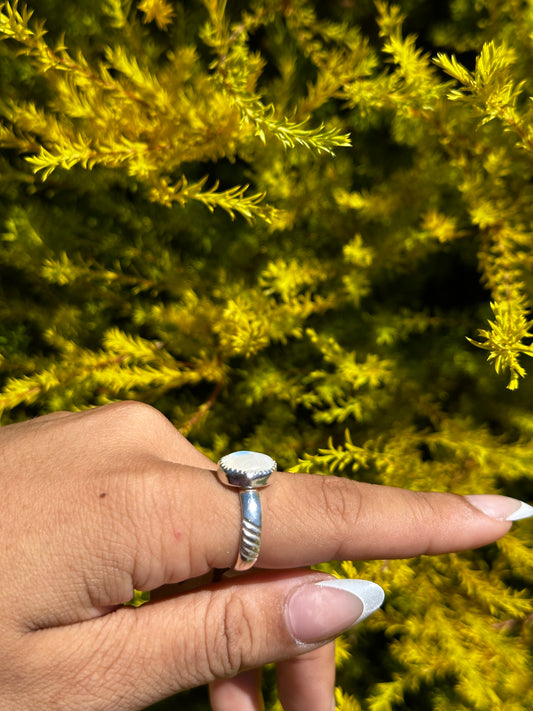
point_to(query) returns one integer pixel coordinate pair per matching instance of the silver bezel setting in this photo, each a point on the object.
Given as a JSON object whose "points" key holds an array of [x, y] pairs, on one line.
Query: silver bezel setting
{"points": [[246, 470]]}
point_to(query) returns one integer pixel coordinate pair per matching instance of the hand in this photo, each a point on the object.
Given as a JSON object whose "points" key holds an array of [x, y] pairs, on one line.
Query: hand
{"points": [[98, 503]]}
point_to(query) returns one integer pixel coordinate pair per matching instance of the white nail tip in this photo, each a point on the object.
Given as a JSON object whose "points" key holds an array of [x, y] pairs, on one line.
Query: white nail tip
{"points": [[370, 594], [523, 511]]}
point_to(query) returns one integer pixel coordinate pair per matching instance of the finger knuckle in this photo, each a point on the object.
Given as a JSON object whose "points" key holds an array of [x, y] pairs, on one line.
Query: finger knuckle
{"points": [[340, 507], [423, 515], [135, 416], [133, 426], [229, 636]]}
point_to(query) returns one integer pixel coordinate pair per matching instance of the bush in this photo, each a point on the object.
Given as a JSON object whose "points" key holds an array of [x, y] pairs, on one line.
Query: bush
{"points": [[294, 229]]}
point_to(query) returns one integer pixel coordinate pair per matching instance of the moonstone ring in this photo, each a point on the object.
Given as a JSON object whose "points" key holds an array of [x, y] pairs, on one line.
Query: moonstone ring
{"points": [[247, 472]]}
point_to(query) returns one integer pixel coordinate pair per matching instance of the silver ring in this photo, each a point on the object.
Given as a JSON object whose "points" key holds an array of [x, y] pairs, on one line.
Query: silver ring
{"points": [[248, 472]]}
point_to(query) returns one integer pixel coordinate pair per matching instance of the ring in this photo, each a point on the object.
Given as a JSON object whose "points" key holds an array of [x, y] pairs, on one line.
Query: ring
{"points": [[248, 472]]}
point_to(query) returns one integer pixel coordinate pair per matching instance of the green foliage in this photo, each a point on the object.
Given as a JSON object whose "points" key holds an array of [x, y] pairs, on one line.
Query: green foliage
{"points": [[139, 598], [284, 225]]}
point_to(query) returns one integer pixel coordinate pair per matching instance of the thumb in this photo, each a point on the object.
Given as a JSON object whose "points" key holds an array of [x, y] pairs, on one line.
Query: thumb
{"points": [[214, 632]]}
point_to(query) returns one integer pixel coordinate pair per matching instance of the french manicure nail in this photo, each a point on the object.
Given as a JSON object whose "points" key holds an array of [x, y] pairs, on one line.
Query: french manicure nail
{"points": [[501, 508], [319, 611]]}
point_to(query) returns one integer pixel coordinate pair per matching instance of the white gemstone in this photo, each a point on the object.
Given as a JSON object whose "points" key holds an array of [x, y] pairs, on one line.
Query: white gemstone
{"points": [[247, 469], [251, 462]]}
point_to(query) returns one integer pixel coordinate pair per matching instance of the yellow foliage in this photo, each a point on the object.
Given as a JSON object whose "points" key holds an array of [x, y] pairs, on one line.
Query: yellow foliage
{"points": [[176, 228], [158, 11]]}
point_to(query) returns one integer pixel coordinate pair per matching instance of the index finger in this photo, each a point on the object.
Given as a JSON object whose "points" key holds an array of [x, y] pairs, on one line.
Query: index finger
{"points": [[309, 519]]}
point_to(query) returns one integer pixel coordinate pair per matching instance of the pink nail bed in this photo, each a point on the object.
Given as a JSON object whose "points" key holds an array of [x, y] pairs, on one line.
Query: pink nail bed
{"points": [[323, 610], [500, 508]]}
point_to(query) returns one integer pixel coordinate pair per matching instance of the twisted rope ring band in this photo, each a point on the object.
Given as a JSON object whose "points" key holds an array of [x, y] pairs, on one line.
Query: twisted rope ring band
{"points": [[248, 472]]}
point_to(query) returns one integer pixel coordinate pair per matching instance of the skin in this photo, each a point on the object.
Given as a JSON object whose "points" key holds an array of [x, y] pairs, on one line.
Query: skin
{"points": [[98, 503]]}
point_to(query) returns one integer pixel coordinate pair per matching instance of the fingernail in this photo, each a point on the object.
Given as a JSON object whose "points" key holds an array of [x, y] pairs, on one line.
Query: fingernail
{"points": [[320, 611], [501, 508]]}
